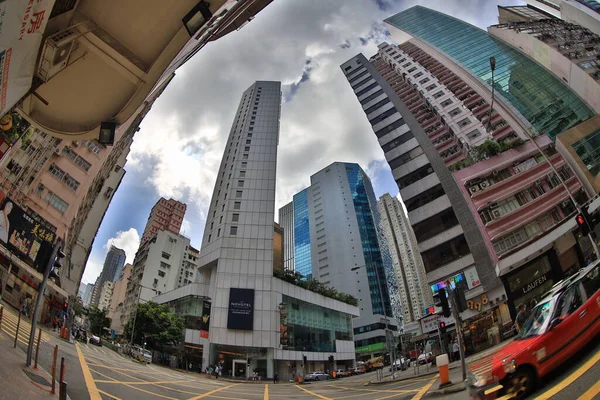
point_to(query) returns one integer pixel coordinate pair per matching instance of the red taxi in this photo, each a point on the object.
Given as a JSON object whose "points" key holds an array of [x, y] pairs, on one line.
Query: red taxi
{"points": [[561, 324]]}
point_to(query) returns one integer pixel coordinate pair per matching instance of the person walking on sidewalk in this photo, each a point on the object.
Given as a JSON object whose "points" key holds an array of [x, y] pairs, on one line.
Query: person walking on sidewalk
{"points": [[455, 351], [275, 377], [521, 318]]}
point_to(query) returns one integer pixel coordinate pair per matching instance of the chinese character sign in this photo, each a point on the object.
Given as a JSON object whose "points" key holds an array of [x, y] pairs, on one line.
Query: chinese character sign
{"points": [[27, 239], [22, 24]]}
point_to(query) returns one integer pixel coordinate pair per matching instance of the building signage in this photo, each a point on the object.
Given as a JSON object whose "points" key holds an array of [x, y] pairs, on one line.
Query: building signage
{"points": [[532, 285], [472, 277], [370, 348], [22, 25], [241, 309], [23, 236], [205, 321]]}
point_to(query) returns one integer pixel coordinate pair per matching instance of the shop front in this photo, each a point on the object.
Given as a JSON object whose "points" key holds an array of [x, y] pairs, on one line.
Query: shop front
{"points": [[527, 284]]}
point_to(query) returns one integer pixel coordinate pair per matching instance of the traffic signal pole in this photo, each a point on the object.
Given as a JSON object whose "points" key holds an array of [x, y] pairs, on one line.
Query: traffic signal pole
{"points": [[459, 334], [38, 302]]}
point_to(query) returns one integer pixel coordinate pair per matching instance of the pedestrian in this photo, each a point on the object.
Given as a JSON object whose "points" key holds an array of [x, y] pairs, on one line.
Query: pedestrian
{"points": [[455, 351], [521, 318], [275, 377], [25, 309], [450, 351]]}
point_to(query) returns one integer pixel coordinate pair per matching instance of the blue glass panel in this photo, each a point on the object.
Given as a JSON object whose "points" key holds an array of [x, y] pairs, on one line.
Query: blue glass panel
{"points": [[546, 102], [588, 150], [302, 254]]}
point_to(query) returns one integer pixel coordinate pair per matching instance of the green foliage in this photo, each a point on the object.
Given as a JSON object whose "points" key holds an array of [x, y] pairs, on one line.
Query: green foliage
{"points": [[76, 304], [157, 324], [98, 319], [295, 278], [486, 150]]}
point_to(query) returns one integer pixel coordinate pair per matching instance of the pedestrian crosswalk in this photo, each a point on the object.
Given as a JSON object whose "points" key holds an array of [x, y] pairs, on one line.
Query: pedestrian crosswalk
{"points": [[9, 323], [482, 366]]}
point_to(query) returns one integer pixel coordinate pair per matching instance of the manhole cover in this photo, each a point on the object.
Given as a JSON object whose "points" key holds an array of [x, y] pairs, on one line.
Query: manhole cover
{"points": [[37, 379]]}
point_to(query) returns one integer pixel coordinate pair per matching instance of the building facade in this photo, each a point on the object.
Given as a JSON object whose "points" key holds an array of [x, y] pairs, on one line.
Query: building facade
{"points": [[117, 301], [106, 293], [255, 318], [111, 271], [336, 232], [286, 221], [413, 289], [166, 215]]}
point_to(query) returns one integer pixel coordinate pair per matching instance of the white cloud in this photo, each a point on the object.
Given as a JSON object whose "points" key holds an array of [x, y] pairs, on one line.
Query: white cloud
{"points": [[186, 227]]}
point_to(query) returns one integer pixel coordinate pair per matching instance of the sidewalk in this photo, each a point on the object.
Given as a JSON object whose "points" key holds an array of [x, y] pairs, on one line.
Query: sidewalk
{"points": [[19, 381]]}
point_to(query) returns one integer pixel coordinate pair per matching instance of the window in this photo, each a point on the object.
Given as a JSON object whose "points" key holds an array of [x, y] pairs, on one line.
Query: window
{"points": [[164, 265], [40, 189], [238, 194], [242, 174], [244, 156], [76, 159], [438, 94], [418, 75], [240, 183], [464, 122], [67, 179], [233, 230], [422, 81], [455, 112], [161, 274], [237, 205], [569, 302], [56, 202], [244, 164], [591, 282], [247, 148], [377, 105], [446, 103], [235, 217], [221, 219], [166, 255], [219, 232], [209, 237], [473, 134]]}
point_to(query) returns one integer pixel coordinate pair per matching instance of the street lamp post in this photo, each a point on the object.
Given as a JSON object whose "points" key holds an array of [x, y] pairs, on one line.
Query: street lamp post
{"points": [[492, 67], [387, 326]]}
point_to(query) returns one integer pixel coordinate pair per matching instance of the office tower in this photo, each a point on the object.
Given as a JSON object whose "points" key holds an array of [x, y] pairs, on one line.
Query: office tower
{"points": [[166, 215], [413, 290], [111, 270], [276, 323], [286, 220], [338, 241], [456, 157], [278, 238]]}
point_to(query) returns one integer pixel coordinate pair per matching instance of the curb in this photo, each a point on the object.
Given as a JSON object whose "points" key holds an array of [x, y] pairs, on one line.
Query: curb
{"points": [[385, 382], [447, 391]]}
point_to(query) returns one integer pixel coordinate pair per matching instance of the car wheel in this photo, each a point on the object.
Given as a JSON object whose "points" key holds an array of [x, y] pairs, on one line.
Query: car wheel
{"points": [[520, 384]]}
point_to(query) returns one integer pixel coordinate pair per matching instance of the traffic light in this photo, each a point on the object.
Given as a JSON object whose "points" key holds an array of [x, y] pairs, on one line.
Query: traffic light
{"points": [[461, 301], [331, 359], [582, 222], [444, 302], [57, 264], [442, 327]]}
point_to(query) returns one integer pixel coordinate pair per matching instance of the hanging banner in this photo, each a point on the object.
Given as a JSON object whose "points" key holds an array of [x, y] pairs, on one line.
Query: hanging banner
{"points": [[12, 128], [205, 322], [22, 24]]}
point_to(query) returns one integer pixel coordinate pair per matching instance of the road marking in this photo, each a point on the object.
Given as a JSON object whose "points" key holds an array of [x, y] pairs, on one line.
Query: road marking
{"points": [[87, 375], [571, 378], [112, 396], [266, 392], [313, 393], [591, 392], [134, 387], [212, 391], [138, 383], [424, 389]]}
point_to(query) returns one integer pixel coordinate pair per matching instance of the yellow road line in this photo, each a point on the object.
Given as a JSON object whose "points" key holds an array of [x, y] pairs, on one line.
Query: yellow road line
{"points": [[266, 397], [134, 387], [87, 375], [137, 383], [212, 391], [112, 396], [591, 392], [571, 378], [314, 394], [395, 393], [424, 389]]}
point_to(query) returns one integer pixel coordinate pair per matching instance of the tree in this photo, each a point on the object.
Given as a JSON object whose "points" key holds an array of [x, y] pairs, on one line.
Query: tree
{"points": [[98, 319], [156, 325], [77, 305]]}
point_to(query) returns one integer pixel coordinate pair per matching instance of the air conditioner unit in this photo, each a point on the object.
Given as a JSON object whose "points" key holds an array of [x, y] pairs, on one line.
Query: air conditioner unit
{"points": [[484, 184], [538, 182], [57, 151], [474, 189], [496, 213], [56, 53], [76, 143]]}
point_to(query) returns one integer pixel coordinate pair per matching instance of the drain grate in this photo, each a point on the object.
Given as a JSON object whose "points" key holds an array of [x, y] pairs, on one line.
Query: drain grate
{"points": [[40, 380]]}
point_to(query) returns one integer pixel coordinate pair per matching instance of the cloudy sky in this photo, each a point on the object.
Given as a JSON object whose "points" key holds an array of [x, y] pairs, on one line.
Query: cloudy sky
{"points": [[300, 43]]}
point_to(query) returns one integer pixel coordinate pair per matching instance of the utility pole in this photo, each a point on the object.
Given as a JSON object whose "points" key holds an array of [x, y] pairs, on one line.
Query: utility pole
{"points": [[459, 335], [38, 302]]}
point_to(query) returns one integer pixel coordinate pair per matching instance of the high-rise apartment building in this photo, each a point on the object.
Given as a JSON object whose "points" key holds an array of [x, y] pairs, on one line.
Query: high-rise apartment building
{"points": [[276, 323], [286, 220], [166, 215], [105, 296], [117, 301], [413, 289], [163, 263], [111, 270], [338, 241]]}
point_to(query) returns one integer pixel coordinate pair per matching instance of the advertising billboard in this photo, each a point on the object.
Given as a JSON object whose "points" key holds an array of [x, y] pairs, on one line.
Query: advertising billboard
{"points": [[22, 25], [205, 321], [241, 309], [26, 238], [12, 128]]}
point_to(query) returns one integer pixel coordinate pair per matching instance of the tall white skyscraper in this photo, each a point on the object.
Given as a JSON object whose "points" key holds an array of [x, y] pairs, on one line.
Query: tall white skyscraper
{"points": [[413, 290]]}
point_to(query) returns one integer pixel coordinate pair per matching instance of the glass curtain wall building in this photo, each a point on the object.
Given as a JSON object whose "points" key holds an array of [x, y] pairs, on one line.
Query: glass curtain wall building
{"points": [[302, 253], [541, 98]]}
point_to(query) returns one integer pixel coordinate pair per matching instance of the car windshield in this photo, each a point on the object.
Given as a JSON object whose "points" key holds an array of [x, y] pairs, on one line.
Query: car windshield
{"points": [[538, 321]]}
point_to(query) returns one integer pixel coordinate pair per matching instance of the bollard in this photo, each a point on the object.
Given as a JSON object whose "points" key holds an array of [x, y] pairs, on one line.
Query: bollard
{"points": [[1, 315], [62, 392], [62, 369], [442, 363], [17, 333], [37, 347], [54, 357]]}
